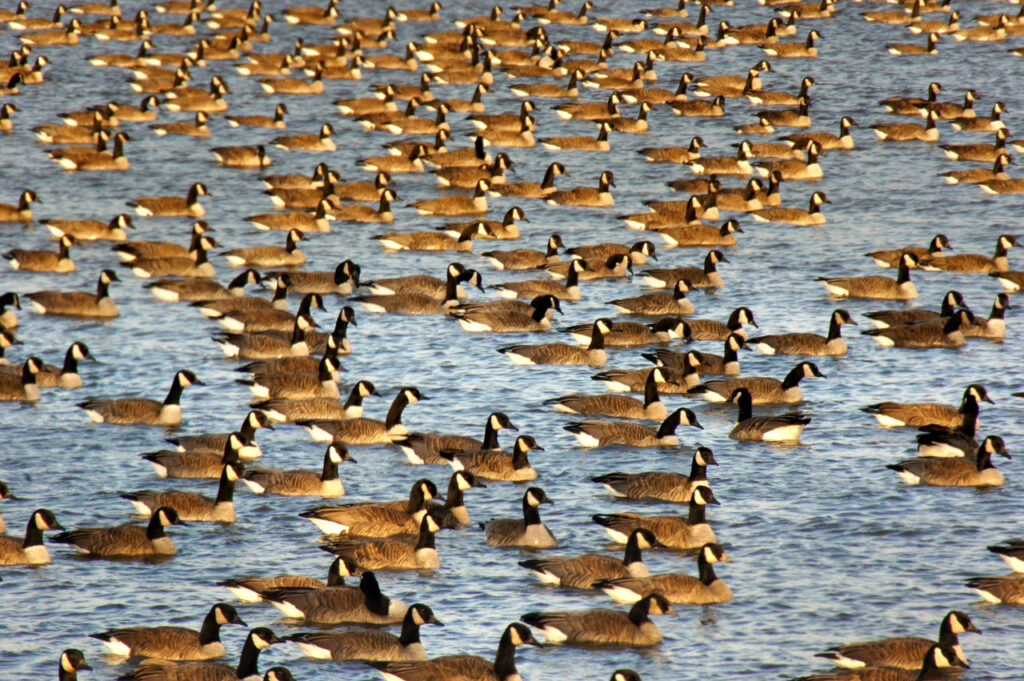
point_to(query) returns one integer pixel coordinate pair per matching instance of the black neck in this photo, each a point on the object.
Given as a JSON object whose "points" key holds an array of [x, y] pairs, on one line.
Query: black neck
{"points": [[210, 632], [633, 553], [698, 471], [834, 328], [71, 362], [247, 662], [33, 535], [746, 407], [998, 311], [695, 516], [519, 454], [705, 570], [903, 276], [669, 425], [969, 409], [398, 405], [505, 658], [102, 289], [596, 338], [174, 394], [793, 378], [651, 390], [155, 529], [410, 630], [330, 471], [355, 398], [226, 489], [531, 514], [490, 436], [572, 278], [376, 602], [426, 537], [638, 614]]}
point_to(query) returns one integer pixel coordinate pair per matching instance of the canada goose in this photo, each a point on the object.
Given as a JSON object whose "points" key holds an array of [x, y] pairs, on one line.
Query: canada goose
{"points": [[795, 216], [133, 250], [422, 283], [22, 386], [635, 334], [189, 206], [191, 506], [908, 132], [580, 142], [700, 235], [674, 154], [504, 229], [6, 123], [453, 514], [792, 169], [984, 33], [675, 303], [220, 307], [370, 644], [1008, 589], [532, 288], [585, 196], [276, 121], [318, 221], [128, 410], [526, 259], [269, 256], [663, 485], [828, 141], [604, 433], [362, 431], [695, 277], [302, 482], [925, 335], [560, 353], [339, 604], [49, 376], [468, 178], [200, 463], [550, 90], [891, 257], [464, 667], [242, 157], [102, 160], [903, 652], [748, 428], [806, 48], [29, 550], [651, 409], [125, 540], [763, 389], [1011, 552], [807, 343], [173, 643], [674, 531], [614, 267], [65, 36], [295, 86], [393, 554], [994, 326], [295, 410], [320, 142], [725, 165], [375, 519], [90, 230], [977, 175], [268, 318], [434, 240], [298, 385], [589, 111], [71, 662], [77, 304], [195, 264], [528, 532], [257, 640], [507, 316], [712, 329], [917, 414], [581, 572], [602, 626], [974, 262], [981, 123], [269, 344], [422, 448], [955, 471], [885, 288], [958, 441], [494, 464], [248, 589], [21, 212], [43, 261], [416, 302], [676, 587], [929, 48]]}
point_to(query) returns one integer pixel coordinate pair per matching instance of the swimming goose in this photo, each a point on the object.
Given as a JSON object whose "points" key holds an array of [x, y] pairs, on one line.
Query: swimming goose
{"points": [[258, 639], [370, 644], [614, 267], [958, 441], [269, 256], [125, 540], [978, 175], [604, 433], [293, 483], [925, 335], [375, 519], [199, 463], [676, 587], [507, 316], [581, 572], [21, 212], [342, 281], [561, 353], [748, 428], [917, 414], [248, 589], [1012, 552], [131, 251], [91, 230], [464, 667], [77, 304], [268, 318], [468, 178], [695, 277], [365, 604], [955, 471], [712, 329], [763, 389], [985, 153], [294, 410], [319, 142], [1011, 281], [434, 240], [620, 406], [974, 262], [793, 169], [71, 662], [908, 132], [726, 364], [635, 334], [505, 229], [674, 531], [275, 121], [585, 196], [150, 206], [532, 288], [364, 431], [242, 157], [902, 652], [423, 448], [392, 554], [993, 327], [22, 386], [603, 626], [194, 265], [981, 123], [173, 643], [453, 514], [215, 443], [29, 550], [807, 343], [456, 204], [674, 154], [580, 142], [418, 302], [795, 216], [191, 506], [874, 286], [1008, 589], [637, 252], [528, 532], [663, 485], [49, 376], [827, 141], [533, 190], [494, 464], [526, 259], [725, 165], [126, 410], [891, 257]]}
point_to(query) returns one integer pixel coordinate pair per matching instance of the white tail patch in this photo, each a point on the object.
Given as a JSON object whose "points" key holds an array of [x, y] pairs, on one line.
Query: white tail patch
{"points": [[314, 651], [254, 486], [587, 440], [329, 526], [621, 594], [888, 421]]}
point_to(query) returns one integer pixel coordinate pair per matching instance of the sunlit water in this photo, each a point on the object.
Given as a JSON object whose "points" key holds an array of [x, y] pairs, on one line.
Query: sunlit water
{"points": [[828, 546]]}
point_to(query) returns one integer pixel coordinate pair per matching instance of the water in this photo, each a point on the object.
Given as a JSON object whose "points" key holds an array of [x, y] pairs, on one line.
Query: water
{"points": [[828, 546]]}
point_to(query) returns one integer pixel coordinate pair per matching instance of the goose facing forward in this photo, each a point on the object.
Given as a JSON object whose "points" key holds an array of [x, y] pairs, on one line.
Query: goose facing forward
{"points": [[529, 532]]}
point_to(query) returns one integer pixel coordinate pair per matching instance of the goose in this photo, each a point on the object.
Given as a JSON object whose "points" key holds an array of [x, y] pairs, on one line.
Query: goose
{"points": [[128, 410], [635, 334], [248, 589], [522, 137], [413, 302], [985, 153], [173, 643], [214, 443], [806, 48], [637, 252], [267, 344], [65, 36], [891, 257], [91, 230], [268, 318], [695, 277], [602, 626], [269, 256], [977, 175], [528, 532], [375, 519], [663, 485], [878, 287], [295, 410], [197, 463], [714, 108], [362, 191], [614, 267], [257, 640], [792, 169], [673, 154], [929, 48], [382, 214], [550, 90], [197, 129], [620, 406], [464, 667], [955, 471], [49, 376], [581, 572], [903, 652], [994, 326], [370, 644], [748, 428], [589, 111], [712, 329], [676, 587], [1009, 589], [674, 531], [453, 514], [468, 178], [1010, 552], [505, 229], [908, 132], [585, 196], [126, 540], [29, 550], [795, 216], [76, 304], [421, 283], [191, 506], [71, 662], [1010, 186], [434, 240], [827, 141], [276, 121], [981, 123], [807, 343], [918, 414], [295, 86], [700, 235], [726, 364], [526, 259], [560, 353], [657, 303], [456, 204], [302, 482], [242, 156], [319, 142], [149, 206], [22, 386], [99, 160], [762, 389], [421, 448], [6, 123], [948, 335], [725, 165], [392, 554], [297, 385], [22, 212], [532, 288], [580, 142], [974, 262], [342, 281], [603, 433], [220, 307], [507, 316], [196, 265], [129, 251], [339, 604], [494, 464], [959, 441]]}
